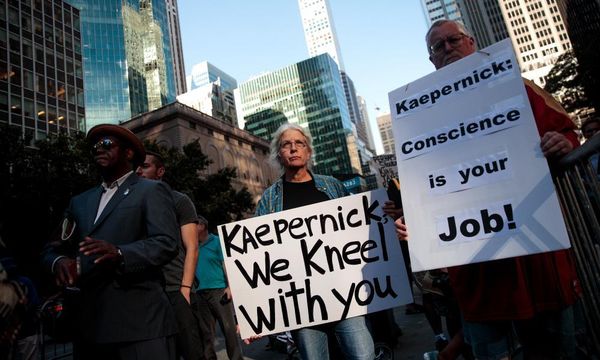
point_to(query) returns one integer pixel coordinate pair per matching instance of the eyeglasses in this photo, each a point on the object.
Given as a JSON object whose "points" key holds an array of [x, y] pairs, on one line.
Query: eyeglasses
{"points": [[287, 145], [105, 144], [452, 40]]}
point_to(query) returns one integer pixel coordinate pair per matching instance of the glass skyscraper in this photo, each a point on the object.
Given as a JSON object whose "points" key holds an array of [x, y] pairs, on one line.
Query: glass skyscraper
{"points": [[308, 93], [210, 90], [41, 76], [321, 38], [127, 60], [206, 73], [319, 30]]}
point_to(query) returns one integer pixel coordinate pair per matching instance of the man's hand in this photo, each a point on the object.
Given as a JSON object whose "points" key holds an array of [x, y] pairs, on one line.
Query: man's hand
{"points": [[185, 291], [555, 144], [389, 207], [401, 229], [227, 292], [252, 339], [65, 271], [107, 252]]}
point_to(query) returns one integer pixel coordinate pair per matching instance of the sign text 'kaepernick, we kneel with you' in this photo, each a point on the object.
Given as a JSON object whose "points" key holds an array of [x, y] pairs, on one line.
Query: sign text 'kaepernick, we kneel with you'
{"points": [[314, 264]]}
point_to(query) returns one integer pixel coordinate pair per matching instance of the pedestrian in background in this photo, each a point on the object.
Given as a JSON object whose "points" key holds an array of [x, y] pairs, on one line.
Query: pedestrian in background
{"points": [[179, 272], [215, 303]]}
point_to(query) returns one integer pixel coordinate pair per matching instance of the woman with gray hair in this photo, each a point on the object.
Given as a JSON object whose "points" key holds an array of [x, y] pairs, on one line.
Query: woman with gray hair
{"points": [[291, 150]]}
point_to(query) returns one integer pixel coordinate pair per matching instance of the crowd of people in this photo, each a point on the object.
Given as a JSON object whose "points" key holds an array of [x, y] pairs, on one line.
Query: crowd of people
{"points": [[146, 277]]}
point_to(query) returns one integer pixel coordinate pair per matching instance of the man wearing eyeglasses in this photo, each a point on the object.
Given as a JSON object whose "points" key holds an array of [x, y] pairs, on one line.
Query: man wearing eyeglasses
{"points": [[520, 293], [124, 231]]}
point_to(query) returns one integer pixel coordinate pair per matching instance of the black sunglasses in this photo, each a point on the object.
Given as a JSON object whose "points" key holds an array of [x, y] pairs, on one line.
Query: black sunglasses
{"points": [[105, 144]]}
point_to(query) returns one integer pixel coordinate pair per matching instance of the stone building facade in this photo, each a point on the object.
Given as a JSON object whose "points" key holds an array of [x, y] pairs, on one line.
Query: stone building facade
{"points": [[175, 125]]}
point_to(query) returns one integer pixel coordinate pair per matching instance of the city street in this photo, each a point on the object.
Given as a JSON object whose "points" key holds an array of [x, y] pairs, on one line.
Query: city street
{"points": [[416, 339]]}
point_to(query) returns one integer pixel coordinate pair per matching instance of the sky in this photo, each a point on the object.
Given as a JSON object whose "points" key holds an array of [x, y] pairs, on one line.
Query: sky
{"points": [[381, 41]]}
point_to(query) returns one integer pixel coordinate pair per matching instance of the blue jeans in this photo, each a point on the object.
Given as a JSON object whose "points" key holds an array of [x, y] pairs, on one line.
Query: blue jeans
{"points": [[549, 335], [352, 335], [491, 340]]}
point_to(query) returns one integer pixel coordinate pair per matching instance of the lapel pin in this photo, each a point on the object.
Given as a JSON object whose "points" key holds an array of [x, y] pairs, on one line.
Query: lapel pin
{"points": [[126, 191]]}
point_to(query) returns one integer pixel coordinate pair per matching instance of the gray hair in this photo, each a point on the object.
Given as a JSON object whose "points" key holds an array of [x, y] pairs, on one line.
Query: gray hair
{"points": [[441, 22], [276, 144]]}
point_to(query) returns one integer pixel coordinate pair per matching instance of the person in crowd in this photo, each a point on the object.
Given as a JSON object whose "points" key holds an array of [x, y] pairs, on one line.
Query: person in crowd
{"points": [[437, 298], [12, 308], [123, 232], [214, 303], [533, 294], [291, 151], [27, 343], [393, 208], [591, 127], [179, 272]]}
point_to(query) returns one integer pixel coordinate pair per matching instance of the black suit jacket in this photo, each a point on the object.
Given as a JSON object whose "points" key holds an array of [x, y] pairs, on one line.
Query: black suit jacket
{"points": [[127, 303]]}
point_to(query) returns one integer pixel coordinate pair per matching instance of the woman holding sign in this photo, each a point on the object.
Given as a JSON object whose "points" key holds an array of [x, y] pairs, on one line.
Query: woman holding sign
{"points": [[291, 150]]}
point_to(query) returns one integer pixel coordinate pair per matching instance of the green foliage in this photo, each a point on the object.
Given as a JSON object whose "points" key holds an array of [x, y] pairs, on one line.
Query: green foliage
{"points": [[565, 83], [184, 167], [37, 183], [218, 202], [213, 195]]}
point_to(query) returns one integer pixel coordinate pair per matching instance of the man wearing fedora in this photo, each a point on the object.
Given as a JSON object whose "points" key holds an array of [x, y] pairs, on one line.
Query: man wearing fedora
{"points": [[124, 231]]}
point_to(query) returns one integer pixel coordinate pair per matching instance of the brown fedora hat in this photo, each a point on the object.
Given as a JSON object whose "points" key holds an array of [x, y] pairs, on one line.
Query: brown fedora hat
{"points": [[122, 134]]}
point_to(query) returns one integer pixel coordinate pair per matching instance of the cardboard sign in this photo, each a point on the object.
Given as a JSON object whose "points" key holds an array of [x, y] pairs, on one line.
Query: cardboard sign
{"points": [[385, 169], [475, 184], [314, 264]]}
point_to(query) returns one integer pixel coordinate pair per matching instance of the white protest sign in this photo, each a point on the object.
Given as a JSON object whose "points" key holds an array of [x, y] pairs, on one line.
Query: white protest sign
{"points": [[475, 184], [314, 264], [385, 169]]}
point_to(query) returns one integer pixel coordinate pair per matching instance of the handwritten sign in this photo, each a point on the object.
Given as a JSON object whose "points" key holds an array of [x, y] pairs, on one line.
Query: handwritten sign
{"points": [[385, 169], [314, 264]]}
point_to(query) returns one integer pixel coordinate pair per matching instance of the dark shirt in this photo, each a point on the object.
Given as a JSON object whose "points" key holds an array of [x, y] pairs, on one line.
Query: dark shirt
{"points": [[301, 194], [186, 213]]}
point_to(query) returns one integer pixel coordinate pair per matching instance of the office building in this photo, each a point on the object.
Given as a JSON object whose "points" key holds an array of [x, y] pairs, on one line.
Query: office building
{"points": [[127, 58], [211, 90], [205, 73], [384, 123], [310, 94], [353, 107], [211, 99], [321, 38], [319, 30], [176, 46], [482, 17], [538, 34], [535, 27], [582, 19], [441, 9], [41, 76], [364, 115], [176, 125]]}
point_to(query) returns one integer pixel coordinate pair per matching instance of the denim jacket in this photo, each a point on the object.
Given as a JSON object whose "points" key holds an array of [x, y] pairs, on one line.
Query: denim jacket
{"points": [[272, 199]]}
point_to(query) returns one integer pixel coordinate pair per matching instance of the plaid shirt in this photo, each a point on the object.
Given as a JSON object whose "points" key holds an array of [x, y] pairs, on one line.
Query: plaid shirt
{"points": [[272, 199]]}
